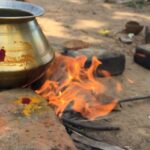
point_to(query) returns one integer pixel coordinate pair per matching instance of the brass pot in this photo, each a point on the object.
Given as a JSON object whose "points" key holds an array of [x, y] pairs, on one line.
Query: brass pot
{"points": [[24, 51]]}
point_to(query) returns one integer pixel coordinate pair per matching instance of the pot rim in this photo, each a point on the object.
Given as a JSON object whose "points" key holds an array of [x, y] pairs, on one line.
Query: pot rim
{"points": [[33, 9]]}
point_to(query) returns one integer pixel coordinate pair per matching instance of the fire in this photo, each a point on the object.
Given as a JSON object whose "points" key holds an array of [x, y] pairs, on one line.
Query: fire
{"points": [[73, 85]]}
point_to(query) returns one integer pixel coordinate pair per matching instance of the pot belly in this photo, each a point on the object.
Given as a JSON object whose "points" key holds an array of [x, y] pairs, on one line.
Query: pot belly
{"points": [[24, 54], [13, 79]]}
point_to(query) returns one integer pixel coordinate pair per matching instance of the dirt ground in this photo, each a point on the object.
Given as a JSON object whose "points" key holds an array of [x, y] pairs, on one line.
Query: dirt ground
{"points": [[82, 19]]}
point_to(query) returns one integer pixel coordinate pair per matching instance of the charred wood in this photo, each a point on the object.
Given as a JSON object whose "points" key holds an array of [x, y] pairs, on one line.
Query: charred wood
{"points": [[94, 144], [89, 126]]}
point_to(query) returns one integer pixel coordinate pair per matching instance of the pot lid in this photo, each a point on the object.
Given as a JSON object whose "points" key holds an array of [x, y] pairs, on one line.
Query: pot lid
{"points": [[19, 10]]}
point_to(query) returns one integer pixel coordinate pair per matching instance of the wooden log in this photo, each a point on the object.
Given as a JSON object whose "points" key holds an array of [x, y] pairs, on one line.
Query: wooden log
{"points": [[27, 122]]}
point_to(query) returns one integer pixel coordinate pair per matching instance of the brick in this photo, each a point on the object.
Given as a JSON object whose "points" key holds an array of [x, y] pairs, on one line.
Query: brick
{"points": [[142, 55], [112, 62]]}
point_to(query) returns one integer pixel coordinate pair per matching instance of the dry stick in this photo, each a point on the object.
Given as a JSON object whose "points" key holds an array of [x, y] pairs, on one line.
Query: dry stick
{"points": [[94, 144], [88, 126], [81, 146], [97, 119], [138, 98], [73, 129]]}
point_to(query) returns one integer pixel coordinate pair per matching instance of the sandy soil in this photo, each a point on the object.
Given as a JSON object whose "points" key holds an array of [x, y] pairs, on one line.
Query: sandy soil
{"points": [[82, 19]]}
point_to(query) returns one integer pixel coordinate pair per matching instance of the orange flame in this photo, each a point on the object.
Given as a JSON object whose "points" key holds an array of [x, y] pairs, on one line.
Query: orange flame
{"points": [[79, 88]]}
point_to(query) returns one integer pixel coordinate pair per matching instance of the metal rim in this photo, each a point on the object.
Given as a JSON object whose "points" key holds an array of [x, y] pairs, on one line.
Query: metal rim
{"points": [[33, 9]]}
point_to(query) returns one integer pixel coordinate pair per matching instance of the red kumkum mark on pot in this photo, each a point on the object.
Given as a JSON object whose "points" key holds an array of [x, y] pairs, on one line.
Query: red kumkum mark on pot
{"points": [[2, 54], [26, 100]]}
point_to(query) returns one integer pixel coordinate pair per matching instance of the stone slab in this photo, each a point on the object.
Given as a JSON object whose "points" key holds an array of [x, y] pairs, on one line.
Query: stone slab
{"points": [[28, 123]]}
